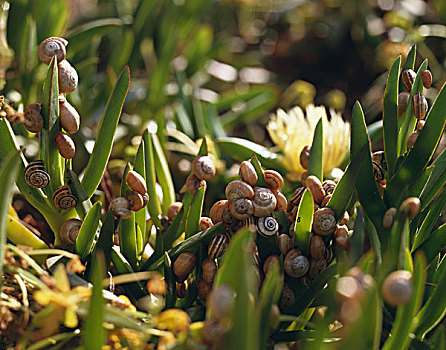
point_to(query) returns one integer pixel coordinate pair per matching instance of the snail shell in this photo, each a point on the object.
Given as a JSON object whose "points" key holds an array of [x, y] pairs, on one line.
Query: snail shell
{"points": [[51, 47], [264, 202], [63, 199], [341, 237], [316, 266], [285, 243], [380, 158], [388, 217], [397, 288], [180, 289], [324, 221], [426, 78], [33, 121], [67, 77], [221, 301], [314, 185], [209, 270], [136, 182], [65, 145], [35, 174], [217, 246], [120, 207], [303, 178], [317, 247], [68, 116], [349, 288], [420, 124], [203, 168], [329, 186], [282, 202], [419, 105], [69, 231], [216, 212], [344, 219], [378, 171], [411, 206], [173, 210], [326, 200], [205, 223], [214, 332], [295, 264], [403, 101], [193, 184], [136, 201], [184, 264], [241, 208], [267, 226], [248, 173], [408, 77], [287, 299], [411, 140], [304, 156], [269, 262], [204, 289], [228, 219], [238, 189], [328, 255], [273, 180]]}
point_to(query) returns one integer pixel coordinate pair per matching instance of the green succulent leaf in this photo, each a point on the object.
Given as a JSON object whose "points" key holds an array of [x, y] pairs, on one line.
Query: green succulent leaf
{"points": [[105, 239], [303, 223], [434, 244], [315, 166], [259, 171], [194, 215], [140, 216], [87, 232], [435, 181]]}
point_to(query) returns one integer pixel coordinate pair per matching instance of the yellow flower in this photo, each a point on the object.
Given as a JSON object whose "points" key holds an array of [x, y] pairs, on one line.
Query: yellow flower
{"points": [[293, 130]]}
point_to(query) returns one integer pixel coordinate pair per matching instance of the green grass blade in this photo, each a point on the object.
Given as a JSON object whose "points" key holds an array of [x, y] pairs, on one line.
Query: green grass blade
{"points": [[194, 215], [105, 239], [154, 205], [390, 119], [434, 244], [87, 232], [315, 166], [104, 139], [304, 220], [93, 333], [163, 173], [169, 278], [403, 325], [203, 148], [259, 170], [140, 215], [8, 172], [356, 250], [172, 232], [436, 180], [420, 183], [242, 149]]}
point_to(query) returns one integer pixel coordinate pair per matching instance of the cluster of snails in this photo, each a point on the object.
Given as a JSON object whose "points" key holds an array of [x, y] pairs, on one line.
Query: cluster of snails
{"points": [[419, 102], [67, 80], [134, 200]]}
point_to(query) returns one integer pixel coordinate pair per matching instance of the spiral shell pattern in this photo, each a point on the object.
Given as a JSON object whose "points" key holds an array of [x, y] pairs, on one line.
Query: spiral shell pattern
{"points": [[35, 174], [203, 168], [324, 221], [273, 180], [238, 189], [267, 226], [69, 231], [33, 121], [264, 202], [120, 207], [295, 264], [67, 77], [51, 47], [63, 199], [241, 208]]}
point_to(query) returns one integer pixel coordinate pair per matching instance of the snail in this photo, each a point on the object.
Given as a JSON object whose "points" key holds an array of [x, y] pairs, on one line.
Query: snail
{"points": [[69, 231], [345, 219], [326, 200], [67, 77], [397, 288], [420, 124], [205, 223], [184, 264], [203, 168], [341, 237], [213, 332], [304, 156], [65, 145], [204, 289], [221, 301], [35, 174], [287, 299], [269, 262], [411, 206], [419, 105], [217, 210], [209, 268], [408, 77], [193, 184], [241, 208], [388, 217], [136, 182], [68, 116], [238, 189], [136, 201], [329, 186], [349, 288], [180, 289], [217, 246], [295, 264], [403, 101], [63, 199], [411, 140], [282, 202], [248, 173], [120, 207], [316, 266], [380, 158], [267, 226], [33, 120], [285, 243], [173, 210], [228, 219], [324, 221], [314, 185], [303, 178], [273, 179], [51, 47], [378, 171], [426, 78], [317, 247], [264, 202]]}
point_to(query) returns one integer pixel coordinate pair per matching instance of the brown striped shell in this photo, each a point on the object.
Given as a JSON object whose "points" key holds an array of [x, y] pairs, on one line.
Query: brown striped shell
{"points": [[241, 208], [419, 105], [203, 168], [33, 120], [51, 47], [317, 247], [217, 246], [316, 267], [248, 173], [205, 223], [67, 77], [216, 212], [69, 232], [204, 289], [264, 202], [273, 180], [136, 182], [238, 189], [329, 186], [184, 264], [120, 207], [209, 268], [426, 78], [408, 77], [65, 145], [324, 222], [193, 184], [63, 199], [267, 226], [304, 156], [295, 264], [68, 116], [35, 174], [136, 201], [314, 185], [282, 202]]}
